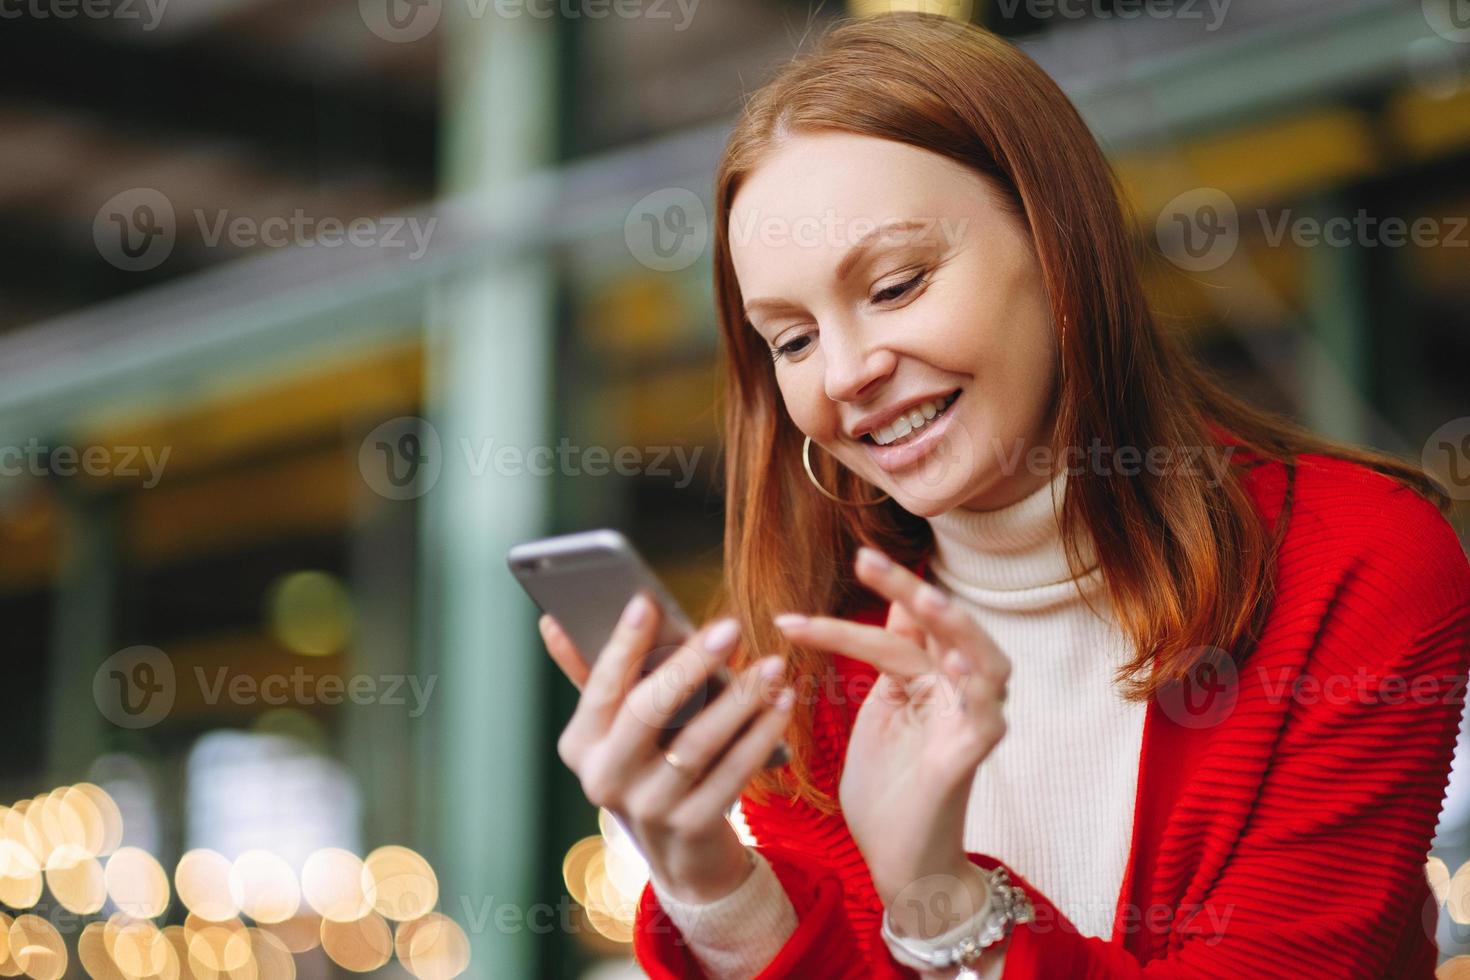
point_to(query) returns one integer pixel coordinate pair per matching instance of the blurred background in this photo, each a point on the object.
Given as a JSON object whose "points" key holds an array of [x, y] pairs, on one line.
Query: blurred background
{"points": [[310, 308]]}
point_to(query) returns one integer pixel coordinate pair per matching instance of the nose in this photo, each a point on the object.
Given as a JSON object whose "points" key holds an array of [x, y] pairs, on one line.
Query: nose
{"points": [[853, 367]]}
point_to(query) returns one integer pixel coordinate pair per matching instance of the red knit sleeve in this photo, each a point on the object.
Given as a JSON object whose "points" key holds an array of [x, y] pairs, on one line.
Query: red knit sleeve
{"points": [[1327, 878], [823, 945]]}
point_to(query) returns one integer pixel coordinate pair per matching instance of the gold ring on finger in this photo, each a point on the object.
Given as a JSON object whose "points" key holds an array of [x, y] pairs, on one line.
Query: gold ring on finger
{"points": [[672, 758]]}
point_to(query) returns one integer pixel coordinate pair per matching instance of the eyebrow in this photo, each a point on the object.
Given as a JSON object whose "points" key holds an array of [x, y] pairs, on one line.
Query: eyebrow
{"points": [[860, 248]]}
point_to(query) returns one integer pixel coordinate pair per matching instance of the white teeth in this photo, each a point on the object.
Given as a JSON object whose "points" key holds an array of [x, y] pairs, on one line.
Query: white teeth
{"points": [[912, 422]]}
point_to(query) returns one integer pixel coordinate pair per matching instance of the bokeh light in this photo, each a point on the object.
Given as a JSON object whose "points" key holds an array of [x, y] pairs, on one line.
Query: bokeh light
{"points": [[310, 612]]}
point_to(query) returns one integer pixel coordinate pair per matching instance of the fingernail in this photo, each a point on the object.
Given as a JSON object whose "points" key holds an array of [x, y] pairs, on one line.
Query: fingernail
{"points": [[721, 636], [876, 560], [785, 699], [771, 668], [790, 620], [637, 610], [931, 598]]}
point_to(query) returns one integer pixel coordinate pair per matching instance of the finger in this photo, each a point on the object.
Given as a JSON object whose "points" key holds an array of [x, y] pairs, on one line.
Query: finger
{"points": [[932, 610], [711, 731], [652, 705], [967, 693], [732, 772], [563, 652], [903, 623], [616, 668], [887, 651]]}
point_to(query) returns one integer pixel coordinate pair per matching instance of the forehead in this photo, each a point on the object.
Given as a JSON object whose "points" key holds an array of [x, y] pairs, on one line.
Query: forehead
{"points": [[814, 196]]}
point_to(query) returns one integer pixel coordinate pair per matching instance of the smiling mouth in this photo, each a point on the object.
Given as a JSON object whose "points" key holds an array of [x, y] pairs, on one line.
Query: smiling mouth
{"points": [[911, 425]]}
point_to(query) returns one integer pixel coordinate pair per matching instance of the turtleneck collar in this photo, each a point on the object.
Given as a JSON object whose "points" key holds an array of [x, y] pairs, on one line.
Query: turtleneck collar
{"points": [[1011, 557]]}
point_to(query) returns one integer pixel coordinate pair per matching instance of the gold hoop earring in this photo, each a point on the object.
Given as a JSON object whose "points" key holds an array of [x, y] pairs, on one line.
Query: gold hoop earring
{"points": [[806, 461]]}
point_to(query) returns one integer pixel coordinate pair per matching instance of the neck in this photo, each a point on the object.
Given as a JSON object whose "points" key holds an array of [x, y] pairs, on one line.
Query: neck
{"points": [[1012, 556]]}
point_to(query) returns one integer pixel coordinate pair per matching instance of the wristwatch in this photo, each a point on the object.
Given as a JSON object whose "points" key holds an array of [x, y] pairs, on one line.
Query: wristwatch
{"points": [[1008, 907]]}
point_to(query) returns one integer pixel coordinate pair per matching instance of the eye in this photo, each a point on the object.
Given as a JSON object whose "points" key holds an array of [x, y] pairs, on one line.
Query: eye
{"points": [[790, 347], [892, 293]]}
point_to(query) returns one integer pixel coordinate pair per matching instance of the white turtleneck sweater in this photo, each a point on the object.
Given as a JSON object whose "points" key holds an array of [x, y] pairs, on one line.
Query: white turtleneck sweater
{"points": [[1054, 800]]}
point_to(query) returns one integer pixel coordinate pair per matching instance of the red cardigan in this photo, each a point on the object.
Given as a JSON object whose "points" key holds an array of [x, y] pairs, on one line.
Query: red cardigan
{"points": [[1273, 835]]}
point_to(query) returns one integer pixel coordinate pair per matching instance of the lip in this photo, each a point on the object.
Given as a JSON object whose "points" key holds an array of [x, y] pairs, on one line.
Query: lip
{"points": [[874, 422], [899, 457]]}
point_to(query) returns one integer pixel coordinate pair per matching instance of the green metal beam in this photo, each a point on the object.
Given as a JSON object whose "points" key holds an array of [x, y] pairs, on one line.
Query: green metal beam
{"points": [[489, 342]]}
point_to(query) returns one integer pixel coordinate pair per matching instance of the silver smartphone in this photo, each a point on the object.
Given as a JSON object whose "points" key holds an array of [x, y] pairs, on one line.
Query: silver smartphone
{"points": [[585, 580]]}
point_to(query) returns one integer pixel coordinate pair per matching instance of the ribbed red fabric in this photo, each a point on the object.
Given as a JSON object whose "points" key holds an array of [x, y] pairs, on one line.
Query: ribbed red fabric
{"points": [[1282, 821]]}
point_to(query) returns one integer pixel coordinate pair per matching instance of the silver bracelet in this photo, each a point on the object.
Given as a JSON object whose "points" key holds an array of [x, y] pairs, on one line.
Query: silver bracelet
{"points": [[1008, 907]]}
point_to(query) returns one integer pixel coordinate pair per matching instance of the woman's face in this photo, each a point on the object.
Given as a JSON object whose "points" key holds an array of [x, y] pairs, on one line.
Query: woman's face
{"points": [[891, 279]]}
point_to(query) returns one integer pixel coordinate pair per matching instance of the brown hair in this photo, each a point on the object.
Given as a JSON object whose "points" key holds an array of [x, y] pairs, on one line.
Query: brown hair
{"points": [[1188, 566]]}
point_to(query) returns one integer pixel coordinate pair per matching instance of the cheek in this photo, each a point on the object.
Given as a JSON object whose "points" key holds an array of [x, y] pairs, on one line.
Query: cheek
{"points": [[804, 394]]}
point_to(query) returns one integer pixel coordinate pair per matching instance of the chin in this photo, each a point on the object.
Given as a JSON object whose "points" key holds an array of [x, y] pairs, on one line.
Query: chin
{"points": [[925, 501]]}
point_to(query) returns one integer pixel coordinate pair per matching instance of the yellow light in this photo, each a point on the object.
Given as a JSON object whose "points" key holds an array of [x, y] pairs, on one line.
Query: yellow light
{"points": [[1457, 898], [36, 947], [136, 883], [574, 866], [264, 887], [961, 10], [202, 880], [20, 875], [433, 947], [273, 959], [1438, 874], [76, 879], [361, 945], [399, 883], [331, 882], [310, 613]]}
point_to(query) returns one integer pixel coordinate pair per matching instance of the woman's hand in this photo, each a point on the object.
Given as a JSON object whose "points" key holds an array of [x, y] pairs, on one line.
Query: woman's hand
{"points": [[932, 717], [613, 744]]}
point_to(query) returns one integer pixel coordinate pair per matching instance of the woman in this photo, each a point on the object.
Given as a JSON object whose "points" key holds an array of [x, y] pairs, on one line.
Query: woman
{"points": [[1128, 680]]}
